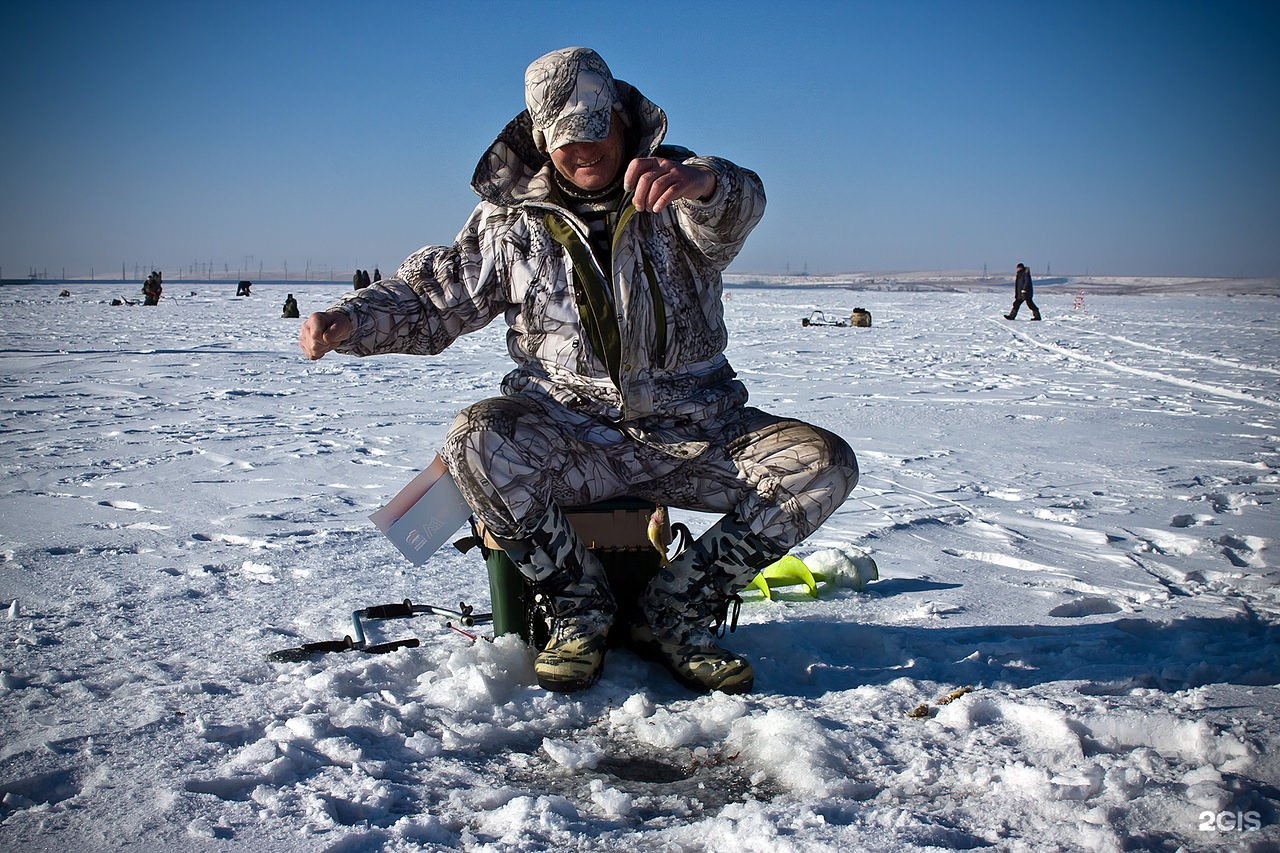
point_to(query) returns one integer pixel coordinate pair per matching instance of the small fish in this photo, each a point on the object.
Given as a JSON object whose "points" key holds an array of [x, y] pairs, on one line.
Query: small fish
{"points": [[924, 711], [954, 695], [660, 533]]}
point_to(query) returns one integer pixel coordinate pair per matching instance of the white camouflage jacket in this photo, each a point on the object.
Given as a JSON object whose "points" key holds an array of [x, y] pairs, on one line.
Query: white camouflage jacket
{"points": [[516, 256]]}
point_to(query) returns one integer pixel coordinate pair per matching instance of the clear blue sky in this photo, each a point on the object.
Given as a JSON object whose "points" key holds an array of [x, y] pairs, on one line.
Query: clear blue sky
{"points": [[1123, 137]]}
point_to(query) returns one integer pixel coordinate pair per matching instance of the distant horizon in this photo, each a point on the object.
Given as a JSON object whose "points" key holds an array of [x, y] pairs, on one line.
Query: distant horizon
{"points": [[274, 277], [309, 272]]}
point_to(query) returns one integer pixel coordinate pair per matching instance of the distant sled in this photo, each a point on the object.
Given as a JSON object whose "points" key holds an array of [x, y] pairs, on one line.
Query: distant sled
{"points": [[820, 318], [859, 317]]}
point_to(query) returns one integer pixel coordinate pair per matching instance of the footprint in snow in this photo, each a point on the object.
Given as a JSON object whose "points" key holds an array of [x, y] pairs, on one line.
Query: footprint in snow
{"points": [[231, 539], [129, 506], [1086, 606], [1244, 552], [1189, 520]]}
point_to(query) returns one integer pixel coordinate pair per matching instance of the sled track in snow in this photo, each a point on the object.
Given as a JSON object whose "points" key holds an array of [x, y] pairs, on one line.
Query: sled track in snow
{"points": [[1202, 387], [1213, 359]]}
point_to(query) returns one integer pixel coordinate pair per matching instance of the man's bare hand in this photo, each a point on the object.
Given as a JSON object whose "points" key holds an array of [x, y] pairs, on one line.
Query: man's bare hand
{"points": [[323, 332], [658, 181]]}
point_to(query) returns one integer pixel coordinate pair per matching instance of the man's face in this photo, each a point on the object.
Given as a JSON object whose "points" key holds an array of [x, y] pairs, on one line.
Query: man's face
{"points": [[592, 165]]}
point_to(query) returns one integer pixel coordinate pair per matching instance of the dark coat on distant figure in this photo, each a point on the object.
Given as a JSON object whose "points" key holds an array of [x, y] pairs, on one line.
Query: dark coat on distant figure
{"points": [[151, 289], [1022, 284]]}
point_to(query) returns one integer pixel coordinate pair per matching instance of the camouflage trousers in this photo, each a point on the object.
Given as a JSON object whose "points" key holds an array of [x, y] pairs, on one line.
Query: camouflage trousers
{"points": [[517, 459]]}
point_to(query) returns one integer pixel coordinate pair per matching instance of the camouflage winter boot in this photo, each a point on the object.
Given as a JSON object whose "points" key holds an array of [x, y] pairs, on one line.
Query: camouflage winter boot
{"points": [[690, 602], [693, 657], [574, 592]]}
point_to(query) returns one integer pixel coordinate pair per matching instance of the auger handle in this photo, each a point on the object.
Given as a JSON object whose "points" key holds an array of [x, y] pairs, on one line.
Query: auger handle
{"points": [[403, 610]]}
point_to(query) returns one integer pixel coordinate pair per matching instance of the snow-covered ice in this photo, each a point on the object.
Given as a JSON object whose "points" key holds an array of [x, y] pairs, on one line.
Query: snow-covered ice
{"points": [[1075, 518]]}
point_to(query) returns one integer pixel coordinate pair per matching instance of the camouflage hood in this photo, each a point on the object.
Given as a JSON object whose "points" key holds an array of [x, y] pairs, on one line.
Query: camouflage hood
{"points": [[514, 170]]}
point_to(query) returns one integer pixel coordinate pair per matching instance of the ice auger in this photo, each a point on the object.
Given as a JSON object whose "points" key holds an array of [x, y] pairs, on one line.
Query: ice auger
{"points": [[465, 617]]}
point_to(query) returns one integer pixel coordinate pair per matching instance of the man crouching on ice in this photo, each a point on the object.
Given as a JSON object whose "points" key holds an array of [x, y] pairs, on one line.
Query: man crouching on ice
{"points": [[604, 248]]}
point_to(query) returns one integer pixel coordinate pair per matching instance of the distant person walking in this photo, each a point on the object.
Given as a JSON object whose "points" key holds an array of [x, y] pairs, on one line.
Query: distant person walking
{"points": [[1022, 293], [290, 307]]}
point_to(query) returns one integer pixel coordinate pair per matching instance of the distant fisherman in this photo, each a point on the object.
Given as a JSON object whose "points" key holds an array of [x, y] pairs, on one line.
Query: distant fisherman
{"points": [[152, 288]]}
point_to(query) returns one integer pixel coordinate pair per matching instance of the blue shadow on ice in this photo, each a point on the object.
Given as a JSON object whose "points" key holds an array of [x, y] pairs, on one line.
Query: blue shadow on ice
{"points": [[814, 656]]}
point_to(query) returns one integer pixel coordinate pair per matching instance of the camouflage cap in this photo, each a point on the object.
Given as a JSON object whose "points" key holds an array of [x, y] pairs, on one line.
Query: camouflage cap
{"points": [[570, 94]]}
